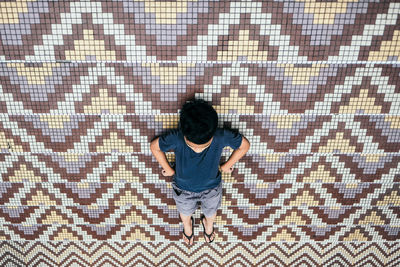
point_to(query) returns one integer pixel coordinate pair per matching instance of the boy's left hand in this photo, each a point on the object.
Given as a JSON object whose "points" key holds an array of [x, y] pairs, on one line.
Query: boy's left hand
{"points": [[226, 169]]}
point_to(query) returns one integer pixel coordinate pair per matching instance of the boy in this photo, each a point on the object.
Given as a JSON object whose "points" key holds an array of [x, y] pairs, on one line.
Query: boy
{"points": [[198, 145]]}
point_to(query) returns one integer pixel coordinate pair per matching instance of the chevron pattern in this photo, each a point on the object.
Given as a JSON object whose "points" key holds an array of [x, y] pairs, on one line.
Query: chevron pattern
{"points": [[234, 88], [177, 254], [85, 85]]}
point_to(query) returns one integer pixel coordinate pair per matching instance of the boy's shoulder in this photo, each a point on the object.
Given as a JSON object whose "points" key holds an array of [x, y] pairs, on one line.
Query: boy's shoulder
{"points": [[173, 134], [230, 137], [170, 140], [224, 131], [221, 134]]}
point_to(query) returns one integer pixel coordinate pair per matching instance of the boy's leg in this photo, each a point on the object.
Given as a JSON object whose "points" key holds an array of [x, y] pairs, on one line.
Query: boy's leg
{"points": [[209, 225], [210, 202], [187, 227], [186, 203]]}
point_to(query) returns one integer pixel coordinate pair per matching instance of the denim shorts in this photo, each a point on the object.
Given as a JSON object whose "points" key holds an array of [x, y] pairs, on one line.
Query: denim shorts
{"points": [[187, 202]]}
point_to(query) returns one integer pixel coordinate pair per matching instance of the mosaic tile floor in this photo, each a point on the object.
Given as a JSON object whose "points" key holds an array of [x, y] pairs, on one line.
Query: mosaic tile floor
{"points": [[86, 85]]}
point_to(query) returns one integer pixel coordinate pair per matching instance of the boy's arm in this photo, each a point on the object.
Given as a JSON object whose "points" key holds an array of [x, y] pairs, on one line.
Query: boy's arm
{"points": [[236, 155], [161, 158]]}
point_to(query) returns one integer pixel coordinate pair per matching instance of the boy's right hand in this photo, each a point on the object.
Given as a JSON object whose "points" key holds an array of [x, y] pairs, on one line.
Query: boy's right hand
{"points": [[168, 172]]}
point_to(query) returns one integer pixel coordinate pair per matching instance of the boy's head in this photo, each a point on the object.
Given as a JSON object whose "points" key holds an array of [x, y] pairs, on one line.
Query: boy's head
{"points": [[198, 121]]}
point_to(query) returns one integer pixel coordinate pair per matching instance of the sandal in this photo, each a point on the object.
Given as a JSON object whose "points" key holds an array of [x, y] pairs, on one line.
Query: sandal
{"points": [[204, 231], [191, 236]]}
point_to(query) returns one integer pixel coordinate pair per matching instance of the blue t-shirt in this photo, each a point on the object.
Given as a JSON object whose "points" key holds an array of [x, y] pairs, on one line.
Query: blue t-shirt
{"points": [[196, 172]]}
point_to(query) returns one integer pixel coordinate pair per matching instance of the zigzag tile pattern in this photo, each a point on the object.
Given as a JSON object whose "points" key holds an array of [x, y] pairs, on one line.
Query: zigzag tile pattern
{"points": [[86, 85], [200, 30], [247, 254], [234, 88]]}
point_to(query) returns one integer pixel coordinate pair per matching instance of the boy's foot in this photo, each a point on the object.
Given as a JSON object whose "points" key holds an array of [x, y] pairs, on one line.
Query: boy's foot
{"points": [[189, 239], [207, 228]]}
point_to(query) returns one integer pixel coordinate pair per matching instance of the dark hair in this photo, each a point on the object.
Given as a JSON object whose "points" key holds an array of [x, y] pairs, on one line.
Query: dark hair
{"points": [[198, 121]]}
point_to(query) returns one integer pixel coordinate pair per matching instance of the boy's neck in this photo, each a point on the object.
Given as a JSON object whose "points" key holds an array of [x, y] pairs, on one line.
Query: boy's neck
{"points": [[198, 147]]}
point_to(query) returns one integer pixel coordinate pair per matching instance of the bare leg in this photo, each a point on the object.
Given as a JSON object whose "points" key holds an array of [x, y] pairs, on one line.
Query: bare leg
{"points": [[209, 225], [187, 227]]}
